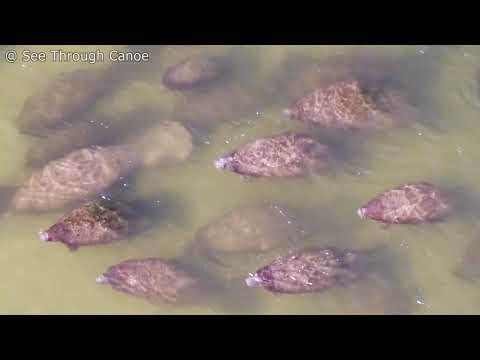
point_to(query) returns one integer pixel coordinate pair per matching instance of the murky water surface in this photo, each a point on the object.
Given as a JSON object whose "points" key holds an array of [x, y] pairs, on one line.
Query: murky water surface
{"points": [[440, 146]]}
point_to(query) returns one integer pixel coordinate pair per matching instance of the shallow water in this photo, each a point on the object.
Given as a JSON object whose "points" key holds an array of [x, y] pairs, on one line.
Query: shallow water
{"points": [[441, 146]]}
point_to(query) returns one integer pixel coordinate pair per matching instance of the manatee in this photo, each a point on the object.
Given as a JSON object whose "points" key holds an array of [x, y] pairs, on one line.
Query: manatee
{"points": [[102, 221], [349, 105], [61, 99], [408, 204], [364, 278], [77, 176], [97, 222], [285, 155], [165, 143], [85, 173], [191, 72], [251, 228], [308, 271], [153, 279]]}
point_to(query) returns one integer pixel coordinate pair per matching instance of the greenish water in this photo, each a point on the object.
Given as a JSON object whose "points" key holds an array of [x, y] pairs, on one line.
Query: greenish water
{"points": [[441, 146]]}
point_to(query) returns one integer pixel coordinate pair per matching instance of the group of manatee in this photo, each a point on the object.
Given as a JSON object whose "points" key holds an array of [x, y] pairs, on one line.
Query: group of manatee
{"points": [[76, 161]]}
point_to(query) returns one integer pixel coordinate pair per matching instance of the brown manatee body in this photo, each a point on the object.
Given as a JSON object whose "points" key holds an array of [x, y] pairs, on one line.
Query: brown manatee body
{"points": [[407, 204], [307, 271], [252, 228], [284, 155], [97, 222], [153, 279], [363, 277], [165, 143], [347, 105], [191, 72], [60, 100], [85, 173], [78, 176]]}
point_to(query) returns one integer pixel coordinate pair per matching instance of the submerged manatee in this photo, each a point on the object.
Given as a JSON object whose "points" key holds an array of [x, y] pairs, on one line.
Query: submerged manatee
{"points": [[194, 71], [250, 228], [308, 271], [77, 176], [407, 204], [85, 173], [61, 99], [347, 105], [153, 279], [284, 155], [166, 143]]}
